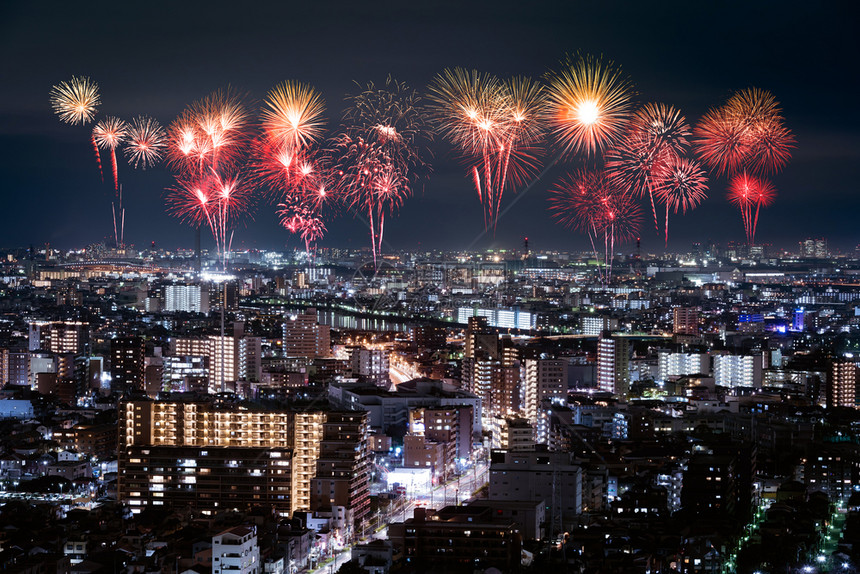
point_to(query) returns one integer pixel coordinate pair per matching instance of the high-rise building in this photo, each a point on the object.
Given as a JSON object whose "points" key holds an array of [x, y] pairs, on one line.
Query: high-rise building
{"points": [[186, 298], [480, 339], [671, 364], [250, 359], [613, 364], [303, 337], [185, 374], [685, 321], [19, 367], [342, 480], [428, 337], [842, 384], [545, 379], [223, 361], [738, 370], [127, 364], [371, 365], [59, 336], [230, 457], [221, 353]]}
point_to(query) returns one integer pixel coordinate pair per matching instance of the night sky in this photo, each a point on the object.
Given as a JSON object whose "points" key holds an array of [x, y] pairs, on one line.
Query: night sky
{"points": [[155, 58]]}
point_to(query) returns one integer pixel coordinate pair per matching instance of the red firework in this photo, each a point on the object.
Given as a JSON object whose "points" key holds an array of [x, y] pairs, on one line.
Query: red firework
{"points": [[747, 133], [681, 184], [109, 133], [302, 219], [590, 201], [657, 134], [208, 146], [748, 192]]}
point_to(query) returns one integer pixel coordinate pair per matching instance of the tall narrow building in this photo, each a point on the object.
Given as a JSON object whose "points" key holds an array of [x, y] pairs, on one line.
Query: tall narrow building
{"points": [[127, 365], [613, 364], [842, 384]]}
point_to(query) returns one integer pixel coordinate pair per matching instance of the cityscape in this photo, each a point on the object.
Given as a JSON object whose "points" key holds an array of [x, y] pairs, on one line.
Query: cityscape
{"points": [[388, 297]]}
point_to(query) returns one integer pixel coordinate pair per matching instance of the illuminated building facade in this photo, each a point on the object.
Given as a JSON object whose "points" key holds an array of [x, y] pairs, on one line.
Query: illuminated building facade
{"points": [[685, 321], [59, 336], [234, 457], [342, 480], [842, 385], [613, 365], [303, 337], [127, 364]]}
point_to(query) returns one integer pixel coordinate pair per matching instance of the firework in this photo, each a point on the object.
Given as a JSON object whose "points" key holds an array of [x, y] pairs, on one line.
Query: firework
{"points": [[656, 134], [108, 134], [381, 154], [681, 185], [588, 105], [293, 115], [76, 101], [743, 138], [302, 219], [209, 147], [145, 142], [747, 134], [589, 201], [495, 125], [216, 200], [747, 192]]}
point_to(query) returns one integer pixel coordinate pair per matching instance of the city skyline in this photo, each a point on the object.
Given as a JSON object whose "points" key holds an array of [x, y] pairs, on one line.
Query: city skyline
{"points": [[694, 71]]}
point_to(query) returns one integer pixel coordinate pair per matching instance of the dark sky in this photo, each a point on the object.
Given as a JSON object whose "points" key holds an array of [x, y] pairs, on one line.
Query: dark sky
{"points": [[157, 57]]}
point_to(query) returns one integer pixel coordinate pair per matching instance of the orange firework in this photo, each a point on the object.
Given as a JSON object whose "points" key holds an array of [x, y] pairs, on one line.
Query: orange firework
{"points": [[495, 125], [293, 115], [588, 105]]}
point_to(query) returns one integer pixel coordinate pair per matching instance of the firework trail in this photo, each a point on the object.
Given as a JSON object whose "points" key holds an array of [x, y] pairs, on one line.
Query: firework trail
{"points": [[747, 192], [589, 201], [588, 105], [496, 126], [108, 134], [681, 185], [746, 139], [209, 147], [381, 153]]}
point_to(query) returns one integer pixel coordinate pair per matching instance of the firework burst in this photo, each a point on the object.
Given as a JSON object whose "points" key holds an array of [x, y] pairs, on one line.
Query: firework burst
{"points": [[145, 142], [588, 104], [293, 115], [109, 133], [747, 192], [656, 134], [589, 201], [495, 125], [381, 154], [681, 185], [76, 101]]}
